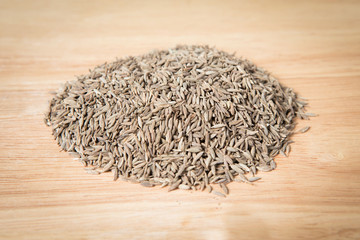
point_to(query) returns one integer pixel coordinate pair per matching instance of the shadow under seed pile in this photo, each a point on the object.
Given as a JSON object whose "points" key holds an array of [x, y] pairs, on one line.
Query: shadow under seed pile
{"points": [[187, 117]]}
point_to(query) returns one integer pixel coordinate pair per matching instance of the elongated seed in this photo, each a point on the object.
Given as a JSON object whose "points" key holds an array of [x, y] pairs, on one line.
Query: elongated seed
{"points": [[253, 179], [219, 194], [304, 129]]}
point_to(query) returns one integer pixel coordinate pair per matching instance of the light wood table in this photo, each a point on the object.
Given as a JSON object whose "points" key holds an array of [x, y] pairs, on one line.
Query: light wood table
{"points": [[311, 46]]}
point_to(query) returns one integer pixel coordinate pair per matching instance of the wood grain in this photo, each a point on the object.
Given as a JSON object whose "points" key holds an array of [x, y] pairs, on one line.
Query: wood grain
{"points": [[311, 46]]}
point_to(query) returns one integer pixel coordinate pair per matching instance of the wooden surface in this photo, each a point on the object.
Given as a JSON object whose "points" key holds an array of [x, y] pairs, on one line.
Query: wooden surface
{"points": [[311, 46]]}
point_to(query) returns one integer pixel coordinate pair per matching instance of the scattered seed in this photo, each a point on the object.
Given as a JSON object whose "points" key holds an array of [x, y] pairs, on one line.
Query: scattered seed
{"points": [[224, 188], [253, 179], [146, 184], [219, 194], [311, 114], [305, 129]]}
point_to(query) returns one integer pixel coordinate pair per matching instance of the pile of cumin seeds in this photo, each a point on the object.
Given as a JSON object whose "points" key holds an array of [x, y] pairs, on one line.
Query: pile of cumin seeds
{"points": [[188, 118]]}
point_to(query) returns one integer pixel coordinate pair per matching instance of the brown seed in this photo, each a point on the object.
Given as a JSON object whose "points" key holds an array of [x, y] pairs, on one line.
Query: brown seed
{"points": [[243, 178], [219, 194], [304, 129], [146, 184], [93, 172], [224, 188], [184, 187], [253, 179], [174, 185]]}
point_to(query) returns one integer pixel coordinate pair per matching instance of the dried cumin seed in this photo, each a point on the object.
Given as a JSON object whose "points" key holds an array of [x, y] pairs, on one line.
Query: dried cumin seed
{"points": [[304, 129], [311, 114], [174, 185], [253, 179], [224, 188], [244, 167], [231, 149], [197, 157], [146, 184], [202, 186], [93, 172], [242, 178], [194, 149], [237, 169], [209, 188], [132, 180], [219, 194], [184, 187], [282, 153], [108, 166], [264, 168], [218, 126], [116, 173], [288, 149], [272, 164]]}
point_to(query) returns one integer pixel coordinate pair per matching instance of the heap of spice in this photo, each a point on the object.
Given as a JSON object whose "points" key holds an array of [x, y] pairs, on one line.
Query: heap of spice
{"points": [[188, 118]]}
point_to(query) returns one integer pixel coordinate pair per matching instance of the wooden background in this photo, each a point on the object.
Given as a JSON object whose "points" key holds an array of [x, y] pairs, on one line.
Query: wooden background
{"points": [[311, 46]]}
